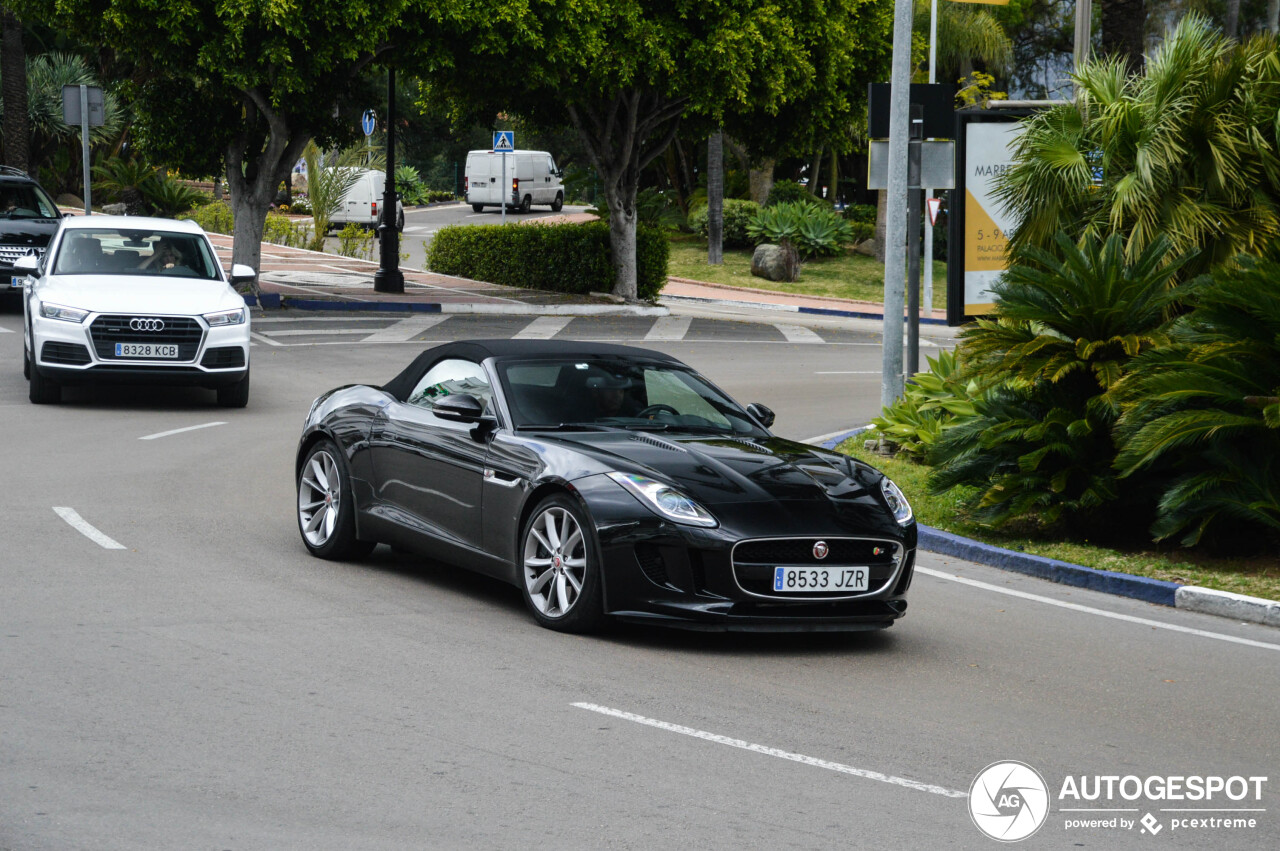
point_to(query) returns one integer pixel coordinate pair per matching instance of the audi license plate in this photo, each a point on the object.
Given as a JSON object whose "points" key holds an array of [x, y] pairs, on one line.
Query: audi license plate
{"points": [[145, 350], [795, 580]]}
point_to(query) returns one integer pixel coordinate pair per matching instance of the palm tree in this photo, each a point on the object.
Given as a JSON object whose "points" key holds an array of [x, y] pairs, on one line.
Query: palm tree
{"points": [[326, 185], [1067, 325], [1188, 149], [966, 35], [1205, 411], [13, 72]]}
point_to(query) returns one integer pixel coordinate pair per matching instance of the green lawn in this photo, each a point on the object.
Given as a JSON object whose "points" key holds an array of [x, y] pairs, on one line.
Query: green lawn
{"points": [[847, 276], [1257, 577]]}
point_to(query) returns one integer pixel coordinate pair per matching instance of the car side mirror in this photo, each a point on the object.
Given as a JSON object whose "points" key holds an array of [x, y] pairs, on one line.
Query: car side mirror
{"points": [[459, 408], [26, 264], [761, 413], [242, 274]]}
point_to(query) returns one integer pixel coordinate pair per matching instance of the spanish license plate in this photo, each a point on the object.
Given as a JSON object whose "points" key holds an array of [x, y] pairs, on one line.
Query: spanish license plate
{"points": [[145, 350], [796, 580], [16, 281]]}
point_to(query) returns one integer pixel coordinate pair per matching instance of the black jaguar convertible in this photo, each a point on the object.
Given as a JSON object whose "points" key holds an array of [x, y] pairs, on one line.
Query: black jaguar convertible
{"points": [[605, 482]]}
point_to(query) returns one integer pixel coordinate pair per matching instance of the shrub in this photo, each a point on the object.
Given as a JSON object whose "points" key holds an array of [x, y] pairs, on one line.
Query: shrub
{"points": [[301, 204], [168, 196], [865, 213], [355, 241], [214, 218], [860, 232], [738, 215], [570, 258], [281, 230], [933, 402], [790, 192], [813, 231]]}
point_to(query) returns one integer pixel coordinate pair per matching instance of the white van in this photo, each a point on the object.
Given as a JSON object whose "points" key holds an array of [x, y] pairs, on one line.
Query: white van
{"points": [[532, 178], [362, 201]]}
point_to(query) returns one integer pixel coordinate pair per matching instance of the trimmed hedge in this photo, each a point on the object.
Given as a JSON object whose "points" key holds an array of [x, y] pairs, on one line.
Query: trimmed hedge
{"points": [[568, 258]]}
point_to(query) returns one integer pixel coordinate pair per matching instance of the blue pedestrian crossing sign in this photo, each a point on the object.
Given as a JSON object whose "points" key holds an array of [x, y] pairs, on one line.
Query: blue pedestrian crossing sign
{"points": [[504, 140]]}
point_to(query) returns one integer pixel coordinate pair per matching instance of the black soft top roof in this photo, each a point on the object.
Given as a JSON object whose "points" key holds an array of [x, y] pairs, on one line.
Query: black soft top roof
{"points": [[477, 350]]}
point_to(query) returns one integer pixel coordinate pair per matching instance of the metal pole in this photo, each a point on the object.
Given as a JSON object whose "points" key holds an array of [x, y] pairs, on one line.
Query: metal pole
{"points": [[389, 278], [715, 199], [1084, 32], [891, 383], [928, 193], [913, 240], [505, 189], [84, 145]]}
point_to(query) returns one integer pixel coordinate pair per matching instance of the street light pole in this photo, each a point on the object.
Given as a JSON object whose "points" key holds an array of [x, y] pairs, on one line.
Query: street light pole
{"points": [[388, 278], [891, 381]]}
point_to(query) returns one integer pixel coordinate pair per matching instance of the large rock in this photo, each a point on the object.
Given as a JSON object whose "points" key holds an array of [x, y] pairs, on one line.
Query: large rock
{"points": [[773, 263], [66, 199], [115, 210], [867, 247]]}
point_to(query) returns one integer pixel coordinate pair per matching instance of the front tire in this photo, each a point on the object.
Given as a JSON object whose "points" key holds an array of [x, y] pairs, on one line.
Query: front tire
{"points": [[42, 390], [399, 222], [326, 508], [560, 569], [26, 364], [235, 395], [557, 204]]}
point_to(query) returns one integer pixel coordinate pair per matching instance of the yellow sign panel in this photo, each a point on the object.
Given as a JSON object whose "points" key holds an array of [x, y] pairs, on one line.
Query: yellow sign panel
{"points": [[985, 2], [988, 155]]}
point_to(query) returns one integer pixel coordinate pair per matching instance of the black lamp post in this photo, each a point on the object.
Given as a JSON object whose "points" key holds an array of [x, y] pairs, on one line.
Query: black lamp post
{"points": [[388, 278]]}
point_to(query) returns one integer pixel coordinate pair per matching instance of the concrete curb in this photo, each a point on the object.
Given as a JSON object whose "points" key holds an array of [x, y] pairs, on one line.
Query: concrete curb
{"points": [[790, 308], [468, 308], [1190, 597]]}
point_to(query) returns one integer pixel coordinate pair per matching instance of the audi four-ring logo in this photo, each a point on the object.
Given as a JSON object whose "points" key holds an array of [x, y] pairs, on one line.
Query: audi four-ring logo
{"points": [[146, 324]]}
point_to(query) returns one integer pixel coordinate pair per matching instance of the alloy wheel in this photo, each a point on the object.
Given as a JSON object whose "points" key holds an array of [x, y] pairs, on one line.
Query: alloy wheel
{"points": [[555, 562], [319, 498]]}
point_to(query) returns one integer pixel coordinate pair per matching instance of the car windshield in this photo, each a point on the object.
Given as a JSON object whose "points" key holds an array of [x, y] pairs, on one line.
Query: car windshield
{"points": [[102, 251], [26, 201], [619, 393]]}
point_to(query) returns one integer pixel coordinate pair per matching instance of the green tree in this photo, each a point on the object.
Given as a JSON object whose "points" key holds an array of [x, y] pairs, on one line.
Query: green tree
{"points": [[259, 79], [13, 78], [1204, 411], [625, 74], [1187, 150]]}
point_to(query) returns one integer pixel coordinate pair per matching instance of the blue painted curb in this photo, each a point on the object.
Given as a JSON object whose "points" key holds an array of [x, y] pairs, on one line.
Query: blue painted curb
{"points": [[827, 311], [1109, 582], [1122, 584]]}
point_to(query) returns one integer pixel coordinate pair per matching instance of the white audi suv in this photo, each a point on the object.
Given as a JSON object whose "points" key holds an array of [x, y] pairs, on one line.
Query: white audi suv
{"points": [[125, 299]]}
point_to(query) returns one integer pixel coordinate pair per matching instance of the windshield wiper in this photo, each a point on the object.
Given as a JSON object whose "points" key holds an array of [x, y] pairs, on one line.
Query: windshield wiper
{"points": [[561, 427]]}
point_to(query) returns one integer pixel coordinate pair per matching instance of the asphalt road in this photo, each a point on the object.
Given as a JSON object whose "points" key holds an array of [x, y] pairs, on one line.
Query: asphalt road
{"points": [[210, 685]]}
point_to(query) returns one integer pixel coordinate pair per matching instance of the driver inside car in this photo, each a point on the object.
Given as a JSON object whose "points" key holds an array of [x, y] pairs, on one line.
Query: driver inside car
{"points": [[609, 394]]}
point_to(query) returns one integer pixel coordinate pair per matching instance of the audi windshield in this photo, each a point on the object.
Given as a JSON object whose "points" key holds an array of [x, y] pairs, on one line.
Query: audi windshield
{"points": [[96, 251]]}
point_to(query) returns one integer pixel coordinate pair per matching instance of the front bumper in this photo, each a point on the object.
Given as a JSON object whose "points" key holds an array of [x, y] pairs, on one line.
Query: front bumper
{"points": [[73, 353], [660, 572]]}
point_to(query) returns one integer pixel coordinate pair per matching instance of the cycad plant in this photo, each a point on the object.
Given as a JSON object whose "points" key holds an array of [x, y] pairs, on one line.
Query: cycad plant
{"points": [[129, 180], [1204, 412], [1186, 150], [1067, 325], [933, 401]]}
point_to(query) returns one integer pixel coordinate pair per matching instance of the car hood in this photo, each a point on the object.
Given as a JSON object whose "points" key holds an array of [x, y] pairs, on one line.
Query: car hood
{"points": [[27, 231], [722, 470], [140, 294]]}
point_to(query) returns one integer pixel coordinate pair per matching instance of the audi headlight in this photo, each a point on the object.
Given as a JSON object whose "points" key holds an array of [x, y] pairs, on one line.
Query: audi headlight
{"points": [[66, 314], [897, 502], [665, 500], [225, 317]]}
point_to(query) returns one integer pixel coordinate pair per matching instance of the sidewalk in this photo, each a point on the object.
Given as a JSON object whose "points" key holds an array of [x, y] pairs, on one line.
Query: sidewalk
{"points": [[684, 289]]}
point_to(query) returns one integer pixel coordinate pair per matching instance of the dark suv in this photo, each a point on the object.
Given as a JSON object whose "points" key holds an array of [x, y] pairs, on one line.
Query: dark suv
{"points": [[28, 218]]}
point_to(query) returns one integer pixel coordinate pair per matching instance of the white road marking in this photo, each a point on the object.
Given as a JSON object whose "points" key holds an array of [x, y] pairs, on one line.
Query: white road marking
{"points": [[669, 328], [543, 328], [1089, 610], [272, 320], [798, 333], [775, 752], [181, 430], [853, 372], [82, 526], [270, 342], [5, 331], [406, 329], [314, 332]]}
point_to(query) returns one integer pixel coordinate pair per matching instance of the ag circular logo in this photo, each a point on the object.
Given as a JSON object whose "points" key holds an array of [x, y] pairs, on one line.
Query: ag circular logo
{"points": [[1008, 801]]}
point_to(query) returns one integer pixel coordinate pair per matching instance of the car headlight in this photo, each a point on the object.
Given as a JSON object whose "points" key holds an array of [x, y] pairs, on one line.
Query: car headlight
{"points": [[66, 314], [665, 500], [897, 502], [225, 317]]}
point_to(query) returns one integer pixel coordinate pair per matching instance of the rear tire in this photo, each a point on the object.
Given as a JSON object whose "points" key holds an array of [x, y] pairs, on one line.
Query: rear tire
{"points": [[326, 507], [400, 222], [42, 390], [479, 208], [235, 395], [557, 204], [526, 203]]}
